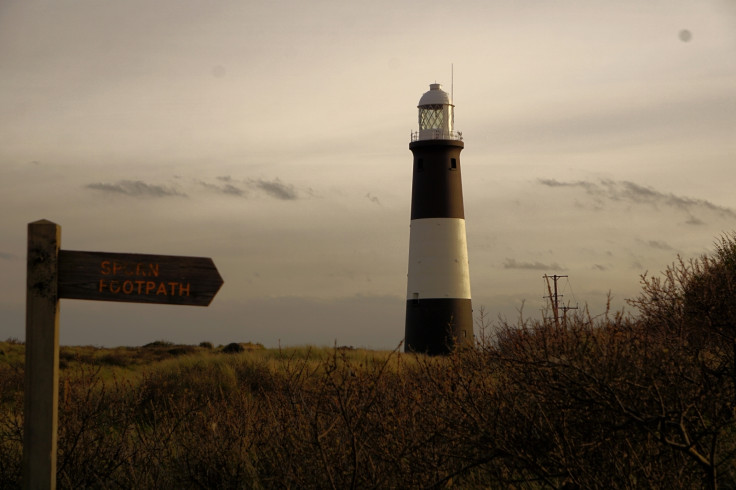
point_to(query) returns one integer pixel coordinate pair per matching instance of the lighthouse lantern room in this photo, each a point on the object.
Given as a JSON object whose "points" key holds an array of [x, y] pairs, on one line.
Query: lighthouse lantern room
{"points": [[436, 115]]}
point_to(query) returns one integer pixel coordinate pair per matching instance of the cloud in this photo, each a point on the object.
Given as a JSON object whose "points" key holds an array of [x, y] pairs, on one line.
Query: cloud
{"points": [[537, 266], [660, 245], [6, 256], [692, 220], [227, 187], [276, 188], [135, 188], [372, 198], [631, 192], [231, 190], [588, 186]]}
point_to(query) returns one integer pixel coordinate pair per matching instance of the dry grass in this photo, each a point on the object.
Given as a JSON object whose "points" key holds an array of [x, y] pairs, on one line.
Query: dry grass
{"points": [[524, 412], [611, 402]]}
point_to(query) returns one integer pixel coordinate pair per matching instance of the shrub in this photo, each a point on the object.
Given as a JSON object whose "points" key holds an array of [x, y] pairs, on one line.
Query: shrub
{"points": [[159, 343], [612, 402], [115, 359], [182, 350], [233, 348]]}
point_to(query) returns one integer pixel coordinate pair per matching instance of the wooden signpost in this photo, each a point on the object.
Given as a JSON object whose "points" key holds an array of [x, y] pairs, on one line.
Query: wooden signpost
{"points": [[53, 274], [137, 278]]}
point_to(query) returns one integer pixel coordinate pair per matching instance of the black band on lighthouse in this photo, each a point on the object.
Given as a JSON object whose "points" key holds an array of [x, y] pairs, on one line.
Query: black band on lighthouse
{"points": [[441, 324], [437, 190]]}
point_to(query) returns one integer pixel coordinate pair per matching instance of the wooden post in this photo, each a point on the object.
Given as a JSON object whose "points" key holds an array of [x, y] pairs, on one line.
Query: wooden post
{"points": [[42, 356]]}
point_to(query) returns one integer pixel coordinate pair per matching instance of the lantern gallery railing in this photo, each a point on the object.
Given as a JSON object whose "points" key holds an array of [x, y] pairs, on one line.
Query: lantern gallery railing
{"points": [[436, 134]]}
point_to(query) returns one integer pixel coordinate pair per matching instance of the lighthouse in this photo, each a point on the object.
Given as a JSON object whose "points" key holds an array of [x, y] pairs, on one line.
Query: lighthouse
{"points": [[439, 315]]}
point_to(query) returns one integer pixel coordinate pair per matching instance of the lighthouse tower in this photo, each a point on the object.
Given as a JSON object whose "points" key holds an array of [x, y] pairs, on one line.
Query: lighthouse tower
{"points": [[439, 315]]}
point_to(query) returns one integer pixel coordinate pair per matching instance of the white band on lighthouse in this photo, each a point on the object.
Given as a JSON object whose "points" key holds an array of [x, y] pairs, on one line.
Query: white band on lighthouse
{"points": [[438, 259]]}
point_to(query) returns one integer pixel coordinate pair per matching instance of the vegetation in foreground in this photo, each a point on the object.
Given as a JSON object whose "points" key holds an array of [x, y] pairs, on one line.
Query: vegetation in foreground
{"points": [[645, 401]]}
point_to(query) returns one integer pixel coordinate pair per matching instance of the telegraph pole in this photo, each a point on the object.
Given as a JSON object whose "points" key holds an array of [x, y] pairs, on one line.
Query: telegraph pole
{"points": [[555, 299]]}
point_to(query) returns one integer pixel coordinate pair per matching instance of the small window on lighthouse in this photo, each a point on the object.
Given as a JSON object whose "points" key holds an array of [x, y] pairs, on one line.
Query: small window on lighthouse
{"points": [[453, 163]]}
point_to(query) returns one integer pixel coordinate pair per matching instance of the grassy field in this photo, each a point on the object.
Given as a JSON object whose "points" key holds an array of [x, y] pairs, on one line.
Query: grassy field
{"points": [[618, 401], [543, 406], [128, 415]]}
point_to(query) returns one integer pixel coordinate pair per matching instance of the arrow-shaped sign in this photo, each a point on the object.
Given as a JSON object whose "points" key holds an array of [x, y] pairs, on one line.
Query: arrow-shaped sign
{"points": [[138, 278]]}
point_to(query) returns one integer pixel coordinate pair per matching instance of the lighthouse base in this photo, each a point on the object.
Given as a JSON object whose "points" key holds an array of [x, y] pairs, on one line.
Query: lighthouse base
{"points": [[438, 325]]}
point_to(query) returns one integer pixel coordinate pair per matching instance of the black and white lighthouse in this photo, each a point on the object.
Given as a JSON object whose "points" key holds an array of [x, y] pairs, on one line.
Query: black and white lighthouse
{"points": [[439, 315]]}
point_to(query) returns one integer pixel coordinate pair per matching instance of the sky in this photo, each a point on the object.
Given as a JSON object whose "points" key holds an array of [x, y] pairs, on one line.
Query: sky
{"points": [[600, 143]]}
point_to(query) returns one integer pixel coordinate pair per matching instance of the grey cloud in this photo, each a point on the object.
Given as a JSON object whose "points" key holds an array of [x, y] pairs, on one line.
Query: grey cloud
{"points": [[588, 186], [273, 188], [537, 266], [232, 190], [6, 256], [372, 198], [135, 188], [599, 267], [692, 220], [636, 265], [630, 191], [640, 194], [627, 191], [658, 244], [276, 188], [226, 188]]}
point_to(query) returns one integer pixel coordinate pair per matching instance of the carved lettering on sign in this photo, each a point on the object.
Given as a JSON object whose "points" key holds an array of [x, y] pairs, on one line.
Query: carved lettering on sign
{"points": [[115, 268], [138, 286], [138, 278]]}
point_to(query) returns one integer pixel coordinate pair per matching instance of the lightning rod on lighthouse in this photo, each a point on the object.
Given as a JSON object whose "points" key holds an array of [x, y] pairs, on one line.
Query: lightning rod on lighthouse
{"points": [[439, 315]]}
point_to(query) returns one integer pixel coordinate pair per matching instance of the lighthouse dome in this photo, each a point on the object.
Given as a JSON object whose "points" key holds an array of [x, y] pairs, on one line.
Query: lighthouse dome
{"points": [[435, 96], [436, 116]]}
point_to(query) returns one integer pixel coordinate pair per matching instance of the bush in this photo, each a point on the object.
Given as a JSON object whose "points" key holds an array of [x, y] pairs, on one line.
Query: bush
{"points": [[159, 343], [182, 350], [115, 359], [233, 348], [618, 401]]}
